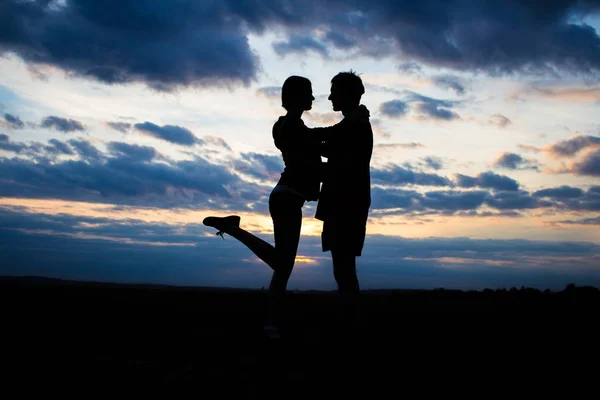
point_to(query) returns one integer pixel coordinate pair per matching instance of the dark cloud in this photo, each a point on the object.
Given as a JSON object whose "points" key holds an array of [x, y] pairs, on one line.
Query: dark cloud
{"points": [[588, 165], [170, 133], [118, 41], [394, 108], [7, 145], [133, 151], [498, 37], [122, 127], [499, 120], [427, 108], [434, 162], [570, 199], [340, 40], [514, 161], [85, 149], [515, 200], [57, 147], [583, 221], [562, 192], [139, 252], [382, 199], [13, 122], [394, 201], [62, 124], [261, 166], [36, 149], [410, 67], [300, 44], [487, 180], [127, 176], [397, 175], [454, 200], [162, 44], [570, 147], [435, 109], [449, 82]]}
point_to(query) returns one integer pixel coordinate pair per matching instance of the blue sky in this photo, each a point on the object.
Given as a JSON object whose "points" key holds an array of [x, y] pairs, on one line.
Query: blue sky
{"points": [[123, 124]]}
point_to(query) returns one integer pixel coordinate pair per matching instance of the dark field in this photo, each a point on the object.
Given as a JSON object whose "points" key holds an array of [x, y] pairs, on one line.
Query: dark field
{"points": [[202, 342]]}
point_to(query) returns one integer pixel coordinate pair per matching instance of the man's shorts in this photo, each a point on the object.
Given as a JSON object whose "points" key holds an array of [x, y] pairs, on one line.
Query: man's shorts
{"points": [[344, 236]]}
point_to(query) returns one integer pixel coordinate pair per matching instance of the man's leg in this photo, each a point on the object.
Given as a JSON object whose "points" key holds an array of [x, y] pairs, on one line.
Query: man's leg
{"points": [[344, 271]]}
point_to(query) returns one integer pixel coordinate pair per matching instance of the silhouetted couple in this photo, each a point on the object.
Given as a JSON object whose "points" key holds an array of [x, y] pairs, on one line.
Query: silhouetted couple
{"points": [[343, 199]]}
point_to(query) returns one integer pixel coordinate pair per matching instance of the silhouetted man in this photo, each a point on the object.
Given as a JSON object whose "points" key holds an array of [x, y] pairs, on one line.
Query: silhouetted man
{"points": [[345, 196]]}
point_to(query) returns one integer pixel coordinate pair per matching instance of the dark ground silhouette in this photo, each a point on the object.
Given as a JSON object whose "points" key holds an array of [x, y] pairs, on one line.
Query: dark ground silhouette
{"points": [[61, 336]]}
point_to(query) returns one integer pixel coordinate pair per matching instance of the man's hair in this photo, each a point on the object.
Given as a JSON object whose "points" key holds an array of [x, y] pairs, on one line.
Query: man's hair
{"points": [[292, 87], [350, 83]]}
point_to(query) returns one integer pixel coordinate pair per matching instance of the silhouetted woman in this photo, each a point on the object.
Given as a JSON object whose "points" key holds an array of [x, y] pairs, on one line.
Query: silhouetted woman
{"points": [[300, 182]]}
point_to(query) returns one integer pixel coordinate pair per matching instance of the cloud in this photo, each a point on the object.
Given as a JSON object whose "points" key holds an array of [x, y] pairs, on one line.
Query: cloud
{"points": [[433, 109], [7, 145], [127, 175], [122, 127], [217, 141], [449, 82], [161, 44], [390, 198], [562, 192], [434, 162], [86, 150], [494, 201], [57, 147], [453, 200], [499, 120], [396, 175], [568, 93], [588, 165], [53, 148], [270, 92], [572, 146], [300, 44], [528, 147], [62, 124], [411, 67], [170, 133], [394, 108], [487, 180], [514, 161], [140, 251], [85, 39], [394, 146], [428, 108], [133, 151], [583, 152], [340, 40], [582, 221], [13, 122], [498, 38], [515, 200], [260, 166]]}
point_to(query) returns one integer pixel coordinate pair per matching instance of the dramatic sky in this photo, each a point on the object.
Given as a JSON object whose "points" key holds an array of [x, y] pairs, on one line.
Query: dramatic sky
{"points": [[123, 123]]}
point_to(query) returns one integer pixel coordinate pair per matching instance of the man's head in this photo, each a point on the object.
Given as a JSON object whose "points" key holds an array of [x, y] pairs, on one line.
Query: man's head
{"points": [[296, 93], [346, 91]]}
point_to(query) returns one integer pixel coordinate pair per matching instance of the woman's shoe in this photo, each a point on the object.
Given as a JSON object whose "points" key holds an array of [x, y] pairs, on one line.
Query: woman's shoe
{"points": [[222, 223]]}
